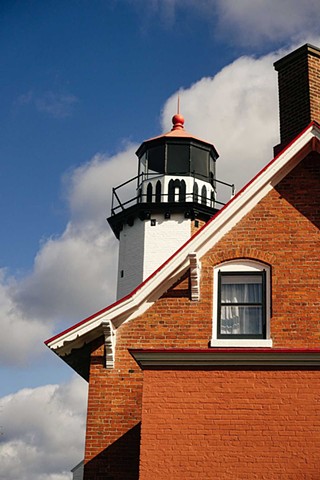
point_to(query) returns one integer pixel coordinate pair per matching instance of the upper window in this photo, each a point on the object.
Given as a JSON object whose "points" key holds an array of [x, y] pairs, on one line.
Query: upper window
{"points": [[241, 308], [241, 304]]}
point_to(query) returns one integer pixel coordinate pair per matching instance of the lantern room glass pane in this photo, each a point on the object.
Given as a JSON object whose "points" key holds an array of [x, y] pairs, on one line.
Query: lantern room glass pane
{"points": [[200, 162], [142, 164], [178, 158], [156, 156], [212, 165]]}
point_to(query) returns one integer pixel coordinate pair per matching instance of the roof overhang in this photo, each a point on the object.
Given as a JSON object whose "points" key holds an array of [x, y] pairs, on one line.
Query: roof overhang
{"points": [[225, 357]]}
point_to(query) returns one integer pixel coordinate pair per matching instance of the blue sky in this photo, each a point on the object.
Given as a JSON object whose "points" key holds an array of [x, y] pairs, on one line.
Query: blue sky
{"points": [[82, 84]]}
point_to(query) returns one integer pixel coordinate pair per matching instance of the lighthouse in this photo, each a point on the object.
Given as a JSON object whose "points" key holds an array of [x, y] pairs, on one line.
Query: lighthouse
{"points": [[174, 193]]}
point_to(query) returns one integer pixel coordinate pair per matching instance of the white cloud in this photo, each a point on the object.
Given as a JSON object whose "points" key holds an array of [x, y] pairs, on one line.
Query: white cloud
{"points": [[42, 431], [237, 111], [75, 274], [244, 22], [252, 23], [89, 186], [20, 334], [70, 277]]}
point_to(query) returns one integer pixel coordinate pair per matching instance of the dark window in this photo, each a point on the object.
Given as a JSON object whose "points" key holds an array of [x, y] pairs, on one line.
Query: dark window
{"points": [[142, 164], [178, 158], [242, 304], [195, 192], [149, 193], [211, 178], [158, 191], [182, 193], [156, 157], [200, 162], [177, 191], [212, 166], [204, 195]]}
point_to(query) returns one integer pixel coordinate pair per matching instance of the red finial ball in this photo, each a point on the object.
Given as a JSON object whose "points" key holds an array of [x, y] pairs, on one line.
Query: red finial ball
{"points": [[178, 121]]}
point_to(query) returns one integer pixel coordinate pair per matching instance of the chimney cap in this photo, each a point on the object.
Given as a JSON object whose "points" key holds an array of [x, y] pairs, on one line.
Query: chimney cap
{"points": [[304, 50]]}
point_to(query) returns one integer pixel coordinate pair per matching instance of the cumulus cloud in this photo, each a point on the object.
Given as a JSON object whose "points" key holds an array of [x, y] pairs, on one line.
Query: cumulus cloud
{"points": [[72, 276], [75, 274], [237, 110], [244, 22], [42, 431], [253, 23], [19, 332], [89, 186]]}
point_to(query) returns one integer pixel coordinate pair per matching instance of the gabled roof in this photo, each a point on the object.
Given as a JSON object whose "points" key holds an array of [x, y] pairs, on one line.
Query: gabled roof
{"points": [[145, 294]]}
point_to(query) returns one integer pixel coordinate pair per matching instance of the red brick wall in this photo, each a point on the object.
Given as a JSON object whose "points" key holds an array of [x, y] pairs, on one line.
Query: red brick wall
{"points": [[283, 231], [230, 424]]}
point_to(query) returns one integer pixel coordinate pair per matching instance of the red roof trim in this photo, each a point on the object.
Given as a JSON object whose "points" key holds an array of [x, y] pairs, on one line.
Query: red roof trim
{"points": [[130, 295]]}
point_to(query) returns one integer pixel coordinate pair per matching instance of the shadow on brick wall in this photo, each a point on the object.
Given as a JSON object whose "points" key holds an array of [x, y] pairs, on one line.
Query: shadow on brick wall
{"points": [[119, 461]]}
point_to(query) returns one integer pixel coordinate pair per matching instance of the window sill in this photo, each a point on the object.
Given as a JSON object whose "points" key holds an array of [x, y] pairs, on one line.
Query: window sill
{"points": [[265, 343]]}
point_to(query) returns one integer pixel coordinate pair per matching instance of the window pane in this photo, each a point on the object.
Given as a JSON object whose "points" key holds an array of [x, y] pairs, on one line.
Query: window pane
{"points": [[200, 162], [156, 159], [142, 163], [241, 320], [178, 158], [241, 289]]}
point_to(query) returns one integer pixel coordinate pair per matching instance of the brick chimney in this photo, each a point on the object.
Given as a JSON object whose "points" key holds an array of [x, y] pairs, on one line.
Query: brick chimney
{"points": [[299, 92]]}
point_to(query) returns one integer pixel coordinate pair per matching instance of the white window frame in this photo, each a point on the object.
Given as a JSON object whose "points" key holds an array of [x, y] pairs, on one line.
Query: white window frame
{"points": [[241, 265]]}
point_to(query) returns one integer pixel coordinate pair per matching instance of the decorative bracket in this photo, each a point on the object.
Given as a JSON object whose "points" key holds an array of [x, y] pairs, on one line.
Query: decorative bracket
{"points": [[195, 269], [109, 343]]}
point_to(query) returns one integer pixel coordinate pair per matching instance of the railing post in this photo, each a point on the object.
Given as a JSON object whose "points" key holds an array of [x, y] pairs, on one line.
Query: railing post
{"points": [[112, 201]]}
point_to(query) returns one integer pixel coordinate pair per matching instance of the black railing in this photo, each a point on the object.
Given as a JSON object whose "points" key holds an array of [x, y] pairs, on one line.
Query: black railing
{"points": [[118, 205]]}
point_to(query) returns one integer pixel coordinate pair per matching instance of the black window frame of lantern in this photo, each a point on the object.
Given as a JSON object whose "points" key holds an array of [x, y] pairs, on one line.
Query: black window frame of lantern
{"points": [[193, 159]]}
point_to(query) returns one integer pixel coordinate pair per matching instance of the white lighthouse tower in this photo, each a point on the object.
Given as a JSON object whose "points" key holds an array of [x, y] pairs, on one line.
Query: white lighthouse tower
{"points": [[175, 191]]}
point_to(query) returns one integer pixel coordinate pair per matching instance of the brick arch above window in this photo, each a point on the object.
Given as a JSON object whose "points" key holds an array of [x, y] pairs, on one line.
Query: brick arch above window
{"points": [[218, 256]]}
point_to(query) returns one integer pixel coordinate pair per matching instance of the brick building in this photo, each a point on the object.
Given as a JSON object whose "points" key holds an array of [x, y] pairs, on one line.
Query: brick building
{"points": [[208, 368]]}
